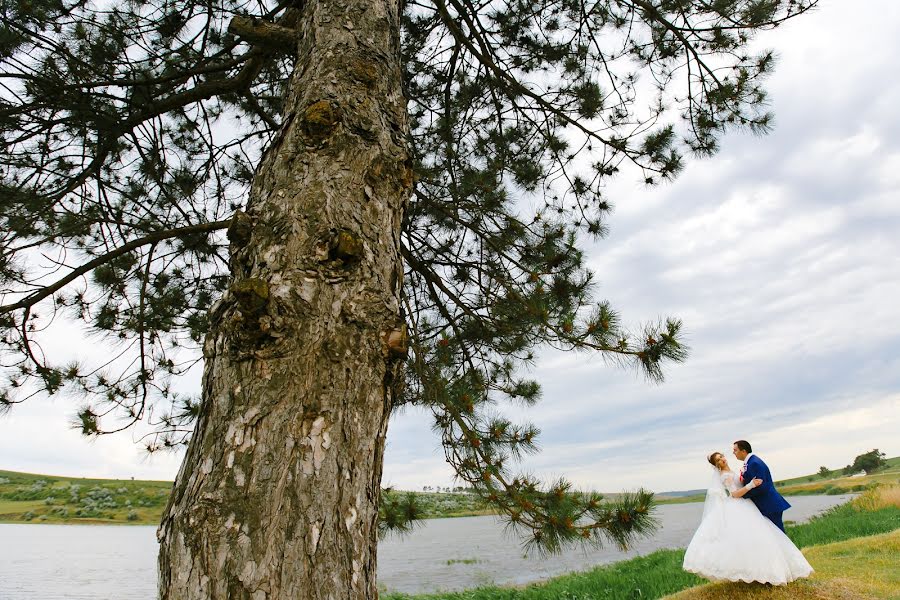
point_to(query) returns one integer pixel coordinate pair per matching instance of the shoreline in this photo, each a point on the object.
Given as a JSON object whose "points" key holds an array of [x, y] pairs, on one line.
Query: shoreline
{"points": [[93, 521]]}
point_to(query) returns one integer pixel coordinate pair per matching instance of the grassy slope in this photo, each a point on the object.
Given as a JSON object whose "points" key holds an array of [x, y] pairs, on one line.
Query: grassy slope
{"points": [[875, 514], [28, 497], [867, 567], [838, 483], [32, 498], [892, 464]]}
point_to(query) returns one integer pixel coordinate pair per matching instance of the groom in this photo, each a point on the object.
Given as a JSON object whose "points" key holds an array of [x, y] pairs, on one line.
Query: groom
{"points": [[767, 500]]}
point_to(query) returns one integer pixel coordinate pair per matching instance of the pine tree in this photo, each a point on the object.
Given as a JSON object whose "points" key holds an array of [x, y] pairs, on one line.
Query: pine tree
{"points": [[343, 207]]}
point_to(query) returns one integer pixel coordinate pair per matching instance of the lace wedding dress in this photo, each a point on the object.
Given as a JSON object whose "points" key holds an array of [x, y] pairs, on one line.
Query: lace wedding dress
{"points": [[734, 542]]}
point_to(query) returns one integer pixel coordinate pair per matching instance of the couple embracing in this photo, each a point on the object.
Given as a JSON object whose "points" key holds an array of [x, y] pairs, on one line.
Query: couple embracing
{"points": [[741, 536]]}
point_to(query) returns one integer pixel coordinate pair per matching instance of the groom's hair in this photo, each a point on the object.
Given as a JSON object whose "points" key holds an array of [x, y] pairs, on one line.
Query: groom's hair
{"points": [[743, 445]]}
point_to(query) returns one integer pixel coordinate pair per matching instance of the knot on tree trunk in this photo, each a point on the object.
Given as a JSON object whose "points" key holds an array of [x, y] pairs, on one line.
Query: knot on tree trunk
{"points": [[393, 173], [252, 295], [319, 121], [364, 71], [241, 229], [396, 342], [345, 246]]}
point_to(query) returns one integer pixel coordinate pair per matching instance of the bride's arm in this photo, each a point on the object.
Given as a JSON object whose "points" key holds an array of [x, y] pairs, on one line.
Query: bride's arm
{"points": [[738, 493]]}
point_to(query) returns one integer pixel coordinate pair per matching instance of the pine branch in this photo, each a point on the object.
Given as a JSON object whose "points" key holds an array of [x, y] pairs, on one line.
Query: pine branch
{"points": [[153, 238], [264, 34]]}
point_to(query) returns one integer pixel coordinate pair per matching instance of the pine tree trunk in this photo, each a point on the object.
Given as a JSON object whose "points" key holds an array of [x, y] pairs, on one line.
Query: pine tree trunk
{"points": [[278, 494]]}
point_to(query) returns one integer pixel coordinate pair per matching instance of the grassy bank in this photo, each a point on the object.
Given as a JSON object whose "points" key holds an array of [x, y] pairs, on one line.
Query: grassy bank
{"points": [[875, 511], [32, 498], [651, 576], [26, 497], [875, 514]]}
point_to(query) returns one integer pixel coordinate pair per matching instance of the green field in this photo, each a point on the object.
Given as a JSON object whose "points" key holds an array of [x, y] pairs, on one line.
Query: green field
{"points": [[31, 498], [838, 483], [893, 465], [25, 497]]}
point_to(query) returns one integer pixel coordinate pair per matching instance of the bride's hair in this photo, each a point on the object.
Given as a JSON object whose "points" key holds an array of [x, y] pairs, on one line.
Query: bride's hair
{"points": [[712, 458]]}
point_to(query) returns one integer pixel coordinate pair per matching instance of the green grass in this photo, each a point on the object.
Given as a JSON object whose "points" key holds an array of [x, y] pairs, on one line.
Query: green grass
{"points": [[857, 569], [660, 574], [28, 497], [681, 499], [33, 498], [893, 465], [843, 523], [838, 483], [444, 504], [651, 576]]}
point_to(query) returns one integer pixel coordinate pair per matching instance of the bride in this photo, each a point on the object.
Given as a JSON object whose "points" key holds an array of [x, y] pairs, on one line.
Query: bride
{"points": [[734, 542]]}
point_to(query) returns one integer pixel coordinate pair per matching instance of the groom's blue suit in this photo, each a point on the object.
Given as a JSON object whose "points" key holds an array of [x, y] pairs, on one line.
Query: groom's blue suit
{"points": [[769, 502]]}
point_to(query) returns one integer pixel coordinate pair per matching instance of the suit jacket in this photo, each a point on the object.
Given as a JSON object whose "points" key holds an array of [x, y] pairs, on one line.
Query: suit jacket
{"points": [[766, 498]]}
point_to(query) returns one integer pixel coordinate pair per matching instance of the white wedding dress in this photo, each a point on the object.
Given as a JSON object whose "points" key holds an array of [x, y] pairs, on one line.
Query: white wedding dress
{"points": [[734, 542]]}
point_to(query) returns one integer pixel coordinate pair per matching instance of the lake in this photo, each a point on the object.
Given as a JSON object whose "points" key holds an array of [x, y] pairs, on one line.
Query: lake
{"points": [[110, 562]]}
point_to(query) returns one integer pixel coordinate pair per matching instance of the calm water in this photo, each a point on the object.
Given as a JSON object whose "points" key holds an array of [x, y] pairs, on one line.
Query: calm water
{"points": [[52, 562]]}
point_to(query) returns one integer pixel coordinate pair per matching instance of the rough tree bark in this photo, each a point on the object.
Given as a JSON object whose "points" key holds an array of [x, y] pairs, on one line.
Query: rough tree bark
{"points": [[278, 494]]}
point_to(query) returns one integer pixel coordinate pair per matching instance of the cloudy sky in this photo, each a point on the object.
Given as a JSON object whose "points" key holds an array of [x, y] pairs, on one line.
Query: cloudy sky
{"points": [[781, 255]]}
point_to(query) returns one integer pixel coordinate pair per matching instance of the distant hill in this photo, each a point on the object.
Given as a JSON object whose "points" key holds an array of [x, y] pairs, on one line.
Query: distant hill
{"points": [[680, 494], [835, 473], [49, 498], [31, 497]]}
